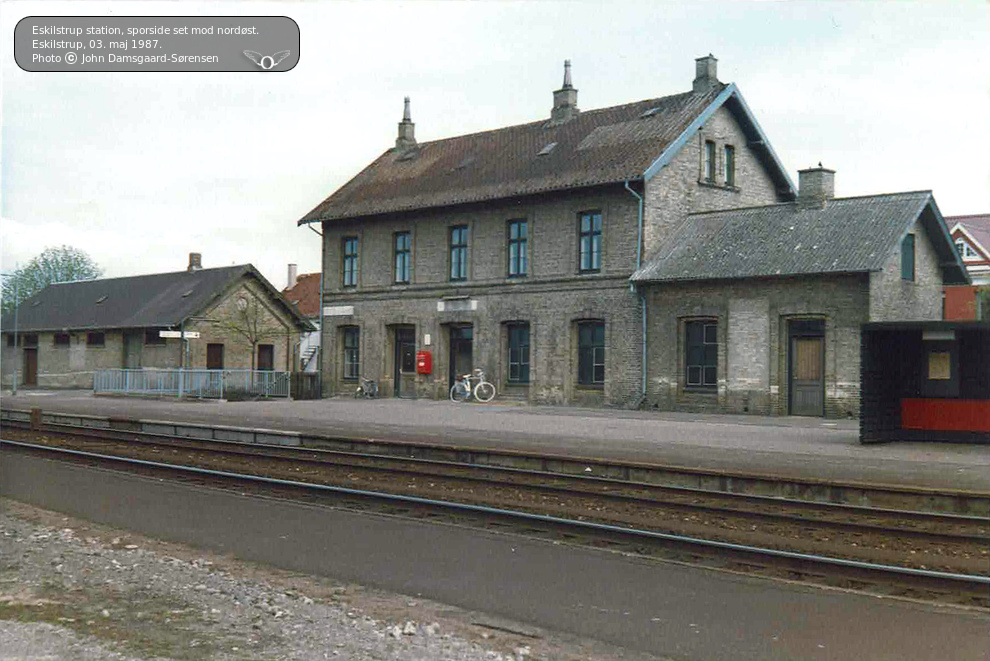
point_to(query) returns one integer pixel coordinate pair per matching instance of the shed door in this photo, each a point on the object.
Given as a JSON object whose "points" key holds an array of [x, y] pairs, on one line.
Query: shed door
{"points": [[266, 357], [807, 373], [214, 356], [30, 367]]}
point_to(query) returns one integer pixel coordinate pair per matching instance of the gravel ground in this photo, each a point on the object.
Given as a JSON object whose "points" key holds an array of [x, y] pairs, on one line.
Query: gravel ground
{"points": [[70, 589]]}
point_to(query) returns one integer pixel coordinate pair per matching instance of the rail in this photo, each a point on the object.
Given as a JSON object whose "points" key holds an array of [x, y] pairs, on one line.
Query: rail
{"points": [[199, 383]]}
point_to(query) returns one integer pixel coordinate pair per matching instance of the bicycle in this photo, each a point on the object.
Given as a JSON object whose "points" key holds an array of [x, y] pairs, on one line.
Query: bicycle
{"points": [[483, 391], [368, 389]]}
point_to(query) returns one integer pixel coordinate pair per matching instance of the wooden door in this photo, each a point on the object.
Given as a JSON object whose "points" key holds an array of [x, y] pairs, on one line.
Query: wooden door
{"points": [[461, 351], [266, 357], [807, 386], [405, 361], [214, 356], [30, 367]]}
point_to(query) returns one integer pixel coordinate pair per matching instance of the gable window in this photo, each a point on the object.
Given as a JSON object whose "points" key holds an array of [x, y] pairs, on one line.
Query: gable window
{"points": [[709, 164], [352, 352], [350, 265], [965, 250], [458, 252], [591, 353], [701, 354], [518, 239], [907, 258], [61, 339], [730, 165], [403, 244], [590, 241], [153, 337], [95, 339], [518, 352]]}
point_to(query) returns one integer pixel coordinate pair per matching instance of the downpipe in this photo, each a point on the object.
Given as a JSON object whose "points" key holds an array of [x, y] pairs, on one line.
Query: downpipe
{"points": [[637, 290]]}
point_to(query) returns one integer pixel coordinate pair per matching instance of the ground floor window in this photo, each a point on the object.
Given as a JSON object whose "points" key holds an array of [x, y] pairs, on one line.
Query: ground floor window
{"points": [[701, 354], [95, 339], [591, 353], [61, 339], [352, 352], [518, 352]]}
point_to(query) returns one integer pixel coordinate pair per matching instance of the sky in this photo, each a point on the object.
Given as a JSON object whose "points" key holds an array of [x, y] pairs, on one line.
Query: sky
{"points": [[140, 169]]}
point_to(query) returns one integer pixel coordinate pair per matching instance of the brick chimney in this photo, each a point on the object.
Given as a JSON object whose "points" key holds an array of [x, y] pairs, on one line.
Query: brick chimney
{"points": [[195, 262], [705, 74], [293, 272], [407, 129], [565, 99], [816, 186]]}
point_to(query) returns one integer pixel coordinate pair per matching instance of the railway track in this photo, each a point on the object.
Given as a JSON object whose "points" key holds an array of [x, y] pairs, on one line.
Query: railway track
{"points": [[940, 556]]}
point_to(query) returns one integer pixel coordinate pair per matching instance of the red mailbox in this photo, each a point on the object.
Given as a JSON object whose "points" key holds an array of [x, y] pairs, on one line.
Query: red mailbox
{"points": [[424, 362]]}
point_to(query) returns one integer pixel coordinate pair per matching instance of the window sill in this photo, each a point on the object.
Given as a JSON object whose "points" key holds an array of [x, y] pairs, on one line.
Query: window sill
{"points": [[700, 390], [590, 386], [715, 184]]}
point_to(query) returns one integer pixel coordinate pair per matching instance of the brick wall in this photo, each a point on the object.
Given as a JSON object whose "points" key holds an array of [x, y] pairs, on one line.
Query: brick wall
{"points": [[552, 298], [222, 320], [679, 188], [895, 299], [753, 317]]}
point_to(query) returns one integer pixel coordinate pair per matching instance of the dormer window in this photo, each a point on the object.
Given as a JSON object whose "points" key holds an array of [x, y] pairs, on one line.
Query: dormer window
{"points": [[965, 250], [546, 150]]}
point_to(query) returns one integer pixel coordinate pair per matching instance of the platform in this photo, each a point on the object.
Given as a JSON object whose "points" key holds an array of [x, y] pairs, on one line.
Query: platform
{"points": [[795, 447]]}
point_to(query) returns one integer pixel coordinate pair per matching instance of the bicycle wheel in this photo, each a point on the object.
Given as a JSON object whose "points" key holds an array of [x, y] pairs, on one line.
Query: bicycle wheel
{"points": [[484, 392], [459, 392], [359, 393]]}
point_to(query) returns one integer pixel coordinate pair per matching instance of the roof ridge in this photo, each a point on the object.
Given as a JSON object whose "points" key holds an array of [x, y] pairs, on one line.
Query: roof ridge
{"points": [[795, 202], [151, 275], [583, 113]]}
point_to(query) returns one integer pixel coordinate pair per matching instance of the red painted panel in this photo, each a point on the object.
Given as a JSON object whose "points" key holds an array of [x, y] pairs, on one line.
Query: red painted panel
{"points": [[946, 414], [960, 303]]}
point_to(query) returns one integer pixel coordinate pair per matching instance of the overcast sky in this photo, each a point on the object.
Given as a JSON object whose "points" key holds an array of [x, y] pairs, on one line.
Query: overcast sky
{"points": [[139, 169]]}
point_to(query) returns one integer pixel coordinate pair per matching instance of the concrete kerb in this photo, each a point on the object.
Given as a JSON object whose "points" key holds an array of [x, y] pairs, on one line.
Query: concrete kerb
{"points": [[819, 490]]}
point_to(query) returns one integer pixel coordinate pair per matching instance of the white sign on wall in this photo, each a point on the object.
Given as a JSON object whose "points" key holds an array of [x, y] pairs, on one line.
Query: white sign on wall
{"points": [[190, 335], [338, 311]]}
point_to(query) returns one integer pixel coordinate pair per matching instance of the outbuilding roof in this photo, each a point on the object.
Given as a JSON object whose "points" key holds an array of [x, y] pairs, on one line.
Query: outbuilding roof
{"points": [[145, 301], [609, 145], [847, 235]]}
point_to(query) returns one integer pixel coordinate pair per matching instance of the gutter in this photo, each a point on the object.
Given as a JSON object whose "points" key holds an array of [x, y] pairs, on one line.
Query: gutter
{"points": [[636, 289]]}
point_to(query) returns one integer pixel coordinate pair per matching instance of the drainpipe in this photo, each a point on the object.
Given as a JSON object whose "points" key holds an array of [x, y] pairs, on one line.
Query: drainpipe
{"points": [[642, 297], [319, 351]]}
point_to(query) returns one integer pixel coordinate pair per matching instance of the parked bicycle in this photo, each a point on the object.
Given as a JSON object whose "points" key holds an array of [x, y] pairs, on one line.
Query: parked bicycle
{"points": [[368, 389], [462, 390]]}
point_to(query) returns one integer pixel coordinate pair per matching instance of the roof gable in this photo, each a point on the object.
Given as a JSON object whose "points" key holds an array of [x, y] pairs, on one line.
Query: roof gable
{"points": [[609, 145], [848, 235], [305, 294], [145, 301], [976, 231]]}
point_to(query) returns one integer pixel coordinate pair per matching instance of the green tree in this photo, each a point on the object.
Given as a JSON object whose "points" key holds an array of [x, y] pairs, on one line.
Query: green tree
{"points": [[52, 265]]}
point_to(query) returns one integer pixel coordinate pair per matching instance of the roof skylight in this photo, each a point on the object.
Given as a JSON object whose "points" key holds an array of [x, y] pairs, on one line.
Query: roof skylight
{"points": [[546, 150]]}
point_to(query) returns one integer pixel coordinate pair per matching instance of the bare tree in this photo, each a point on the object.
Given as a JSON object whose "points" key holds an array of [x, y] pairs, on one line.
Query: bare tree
{"points": [[52, 265], [253, 323]]}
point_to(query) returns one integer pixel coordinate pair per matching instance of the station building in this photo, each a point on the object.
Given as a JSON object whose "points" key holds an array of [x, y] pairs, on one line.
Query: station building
{"points": [[617, 257]]}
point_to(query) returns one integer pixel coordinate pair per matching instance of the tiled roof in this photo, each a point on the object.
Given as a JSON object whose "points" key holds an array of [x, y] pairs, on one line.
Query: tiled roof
{"points": [[305, 294], [978, 226], [595, 147], [848, 235], [143, 301]]}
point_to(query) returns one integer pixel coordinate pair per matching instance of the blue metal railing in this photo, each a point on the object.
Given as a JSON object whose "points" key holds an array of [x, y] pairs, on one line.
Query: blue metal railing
{"points": [[200, 383]]}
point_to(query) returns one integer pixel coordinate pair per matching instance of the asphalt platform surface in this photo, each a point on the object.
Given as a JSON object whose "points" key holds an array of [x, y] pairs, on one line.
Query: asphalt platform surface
{"points": [[797, 447]]}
